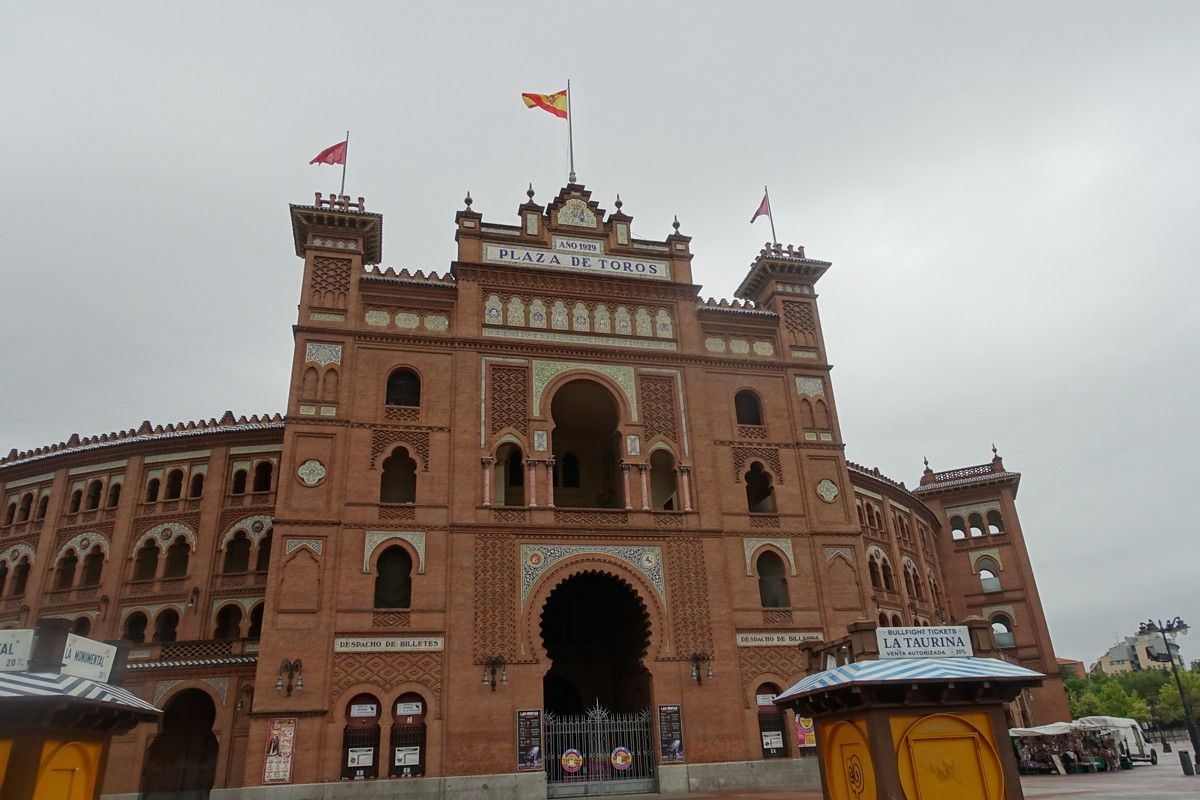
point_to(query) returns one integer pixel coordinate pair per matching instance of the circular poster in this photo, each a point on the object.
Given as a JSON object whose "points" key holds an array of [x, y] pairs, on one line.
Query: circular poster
{"points": [[572, 760], [621, 758]]}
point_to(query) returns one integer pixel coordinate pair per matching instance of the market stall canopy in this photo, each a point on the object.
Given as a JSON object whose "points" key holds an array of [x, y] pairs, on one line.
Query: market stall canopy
{"points": [[1056, 729], [17, 686], [909, 671]]}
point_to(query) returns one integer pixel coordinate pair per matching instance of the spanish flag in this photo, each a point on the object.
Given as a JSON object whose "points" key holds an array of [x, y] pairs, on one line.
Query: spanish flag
{"points": [[555, 103]]}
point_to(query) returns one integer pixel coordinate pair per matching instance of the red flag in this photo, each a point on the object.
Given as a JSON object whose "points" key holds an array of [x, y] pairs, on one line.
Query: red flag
{"points": [[334, 154], [764, 209]]}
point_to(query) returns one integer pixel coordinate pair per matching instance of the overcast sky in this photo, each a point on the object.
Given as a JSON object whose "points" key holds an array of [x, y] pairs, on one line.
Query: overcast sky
{"points": [[1008, 193]]}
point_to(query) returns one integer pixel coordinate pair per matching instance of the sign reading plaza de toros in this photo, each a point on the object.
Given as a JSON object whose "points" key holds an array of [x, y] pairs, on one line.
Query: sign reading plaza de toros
{"points": [[581, 255], [951, 642]]}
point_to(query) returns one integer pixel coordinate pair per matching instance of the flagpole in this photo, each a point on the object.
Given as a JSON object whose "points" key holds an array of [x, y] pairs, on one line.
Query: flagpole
{"points": [[570, 134], [770, 216], [345, 158]]}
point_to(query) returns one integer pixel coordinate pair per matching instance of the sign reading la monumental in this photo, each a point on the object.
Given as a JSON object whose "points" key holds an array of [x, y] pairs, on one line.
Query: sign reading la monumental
{"points": [[542, 519]]}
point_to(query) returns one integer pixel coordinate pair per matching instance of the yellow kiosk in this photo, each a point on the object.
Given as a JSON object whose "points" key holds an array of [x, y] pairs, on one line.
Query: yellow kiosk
{"points": [[58, 712], [915, 713]]}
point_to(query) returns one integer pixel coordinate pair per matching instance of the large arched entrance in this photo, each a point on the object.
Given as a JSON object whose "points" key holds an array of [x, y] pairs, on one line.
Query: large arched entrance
{"points": [[596, 692], [181, 762]]}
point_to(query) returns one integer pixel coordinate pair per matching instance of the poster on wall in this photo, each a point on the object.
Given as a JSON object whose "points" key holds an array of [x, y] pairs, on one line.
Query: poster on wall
{"points": [[281, 747], [806, 734], [529, 741], [670, 735], [360, 757], [407, 756]]}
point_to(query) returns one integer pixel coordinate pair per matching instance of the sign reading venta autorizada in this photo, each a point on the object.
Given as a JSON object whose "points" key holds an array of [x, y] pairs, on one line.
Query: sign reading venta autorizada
{"points": [[578, 255], [952, 642]]}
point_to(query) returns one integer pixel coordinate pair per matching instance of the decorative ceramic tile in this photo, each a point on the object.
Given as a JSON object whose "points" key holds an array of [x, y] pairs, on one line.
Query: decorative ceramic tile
{"points": [[624, 323], [537, 558], [580, 318], [764, 348], [221, 685], [749, 546], [15, 553], [662, 324], [845, 552], [81, 544], [531, 224], [375, 538], [602, 323], [437, 322], [622, 233], [545, 371], [811, 387], [576, 213], [739, 346], [714, 344], [577, 338], [328, 411], [292, 545], [165, 534], [407, 320], [311, 472], [308, 411], [516, 312], [539, 441], [322, 316], [493, 313], [537, 314], [633, 444], [161, 688], [323, 353], [808, 355], [254, 526], [558, 316], [827, 490]]}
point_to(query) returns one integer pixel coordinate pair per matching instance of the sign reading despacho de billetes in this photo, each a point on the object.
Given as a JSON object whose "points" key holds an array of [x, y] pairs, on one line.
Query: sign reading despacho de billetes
{"points": [[949, 642], [577, 255], [388, 644], [776, 638]]}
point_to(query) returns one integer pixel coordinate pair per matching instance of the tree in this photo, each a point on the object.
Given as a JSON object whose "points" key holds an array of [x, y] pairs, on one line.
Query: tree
{"points": [[1117, 702], [1168, 697], [1084, 704], [1144, 683]]}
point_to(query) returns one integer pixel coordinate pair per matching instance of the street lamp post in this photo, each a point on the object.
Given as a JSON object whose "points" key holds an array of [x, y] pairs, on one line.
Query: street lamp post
{"points": [[1176, 626]]}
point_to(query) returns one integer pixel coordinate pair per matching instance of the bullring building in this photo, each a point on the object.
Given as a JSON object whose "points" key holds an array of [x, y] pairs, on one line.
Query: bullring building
{"points": [[547, 523]]}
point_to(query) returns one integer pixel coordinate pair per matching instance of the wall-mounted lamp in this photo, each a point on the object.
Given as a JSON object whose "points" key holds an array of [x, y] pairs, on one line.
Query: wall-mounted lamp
{"points": [[194, 598], [698, 660], [490, 665], [291, 668]]}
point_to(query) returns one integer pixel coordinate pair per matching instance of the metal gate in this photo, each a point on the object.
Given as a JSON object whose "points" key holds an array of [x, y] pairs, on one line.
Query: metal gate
{"points": [[599, 753]]}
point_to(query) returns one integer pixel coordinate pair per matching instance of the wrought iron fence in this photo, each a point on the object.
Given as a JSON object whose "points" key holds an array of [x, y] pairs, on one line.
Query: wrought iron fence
{"points": [[599, 752]]}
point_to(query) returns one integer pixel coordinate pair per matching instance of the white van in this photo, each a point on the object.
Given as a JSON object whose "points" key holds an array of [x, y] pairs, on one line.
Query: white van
{"points": [[1128, 735]]}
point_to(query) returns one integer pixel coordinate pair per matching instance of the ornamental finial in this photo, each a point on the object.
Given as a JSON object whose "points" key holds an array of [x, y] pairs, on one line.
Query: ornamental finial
{"points": [[468, 199], [675, 224], [618, 204], [529, 192]]}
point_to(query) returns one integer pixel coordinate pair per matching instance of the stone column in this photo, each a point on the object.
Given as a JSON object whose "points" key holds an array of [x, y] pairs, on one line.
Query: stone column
{"points": [[625, 479], [685, 487], [550, 482], [643, 469], [531, 495], [487, 481]]}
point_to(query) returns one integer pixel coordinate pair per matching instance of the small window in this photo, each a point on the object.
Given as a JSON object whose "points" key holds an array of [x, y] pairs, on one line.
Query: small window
{"points": [[256, 616], [237, 554], [76, 500], [3, 577], [174, 488], [889, 578], [262, 476], [152, 491], [876, 577], [64, 577], [403, 388], [239, 482], [262, 561], [989, 575], [177, 558], [10, 514], [760, 495], [20, 578], [81, 626], [197, 487], [1002, 629], [664, 486], [398, 481], [393, 581], [114, 495], [165, 626], [93, 565], [772, 582], [26, 508], [229, 623], [995, 522], [976, 523], [94, 490], [145, 566], [135, 628], [958, 528], [747, 408], [44, 506]]}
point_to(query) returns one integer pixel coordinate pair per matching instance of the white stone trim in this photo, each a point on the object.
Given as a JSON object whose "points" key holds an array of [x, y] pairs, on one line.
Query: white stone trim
{"points": [[373, 539], [751, 546]]}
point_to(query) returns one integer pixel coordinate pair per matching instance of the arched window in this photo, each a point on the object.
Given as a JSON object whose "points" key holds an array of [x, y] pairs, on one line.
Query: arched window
{"points": [[747, 408], [177, 558], [1002, 629], [889, 578], [81, 626], [570, 471], [76, 500], [360, 738], [174, 488], [44, 506], [135, 628], [262, 561], [393, 581], [20, 578], [403, 388], [896, 621], [64, 574], [93, 495], [197, 487], [239, 482], [114, 494], [587, 427], [663, 483], [876, 578], [995, 522], [165, 625], [760, 495], [976, 523], [3, 577], [26, 507], [772, 584], [958, 528], [862, 518], [152, 491], [509, 478], [10, 514], [93, 565], [229, 623], [908, 582], [883, 620], [256, 615], [989, 574], [145, 566], [398, 482], [237, 554], [262, 476]]}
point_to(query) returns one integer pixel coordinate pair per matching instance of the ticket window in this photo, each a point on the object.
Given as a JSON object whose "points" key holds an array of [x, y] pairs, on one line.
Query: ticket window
{"points": [[360, 739], [772, 722], [408, 736]]}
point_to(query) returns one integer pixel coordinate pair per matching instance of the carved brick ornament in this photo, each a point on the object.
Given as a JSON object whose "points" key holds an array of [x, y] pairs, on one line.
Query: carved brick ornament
{"points": [[510, 399]]}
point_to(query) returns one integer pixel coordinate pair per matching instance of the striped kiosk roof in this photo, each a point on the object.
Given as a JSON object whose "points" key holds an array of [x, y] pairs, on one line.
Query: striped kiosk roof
{"points": [[33, 685], [909, 670]]}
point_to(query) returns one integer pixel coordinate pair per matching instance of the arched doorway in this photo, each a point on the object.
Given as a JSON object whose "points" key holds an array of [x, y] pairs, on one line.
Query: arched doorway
{"points": [[181, 762], [596, 633], [587, 447], [597, 691]]}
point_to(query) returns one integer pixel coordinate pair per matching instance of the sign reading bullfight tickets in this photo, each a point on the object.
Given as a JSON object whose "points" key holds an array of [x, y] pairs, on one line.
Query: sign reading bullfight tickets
{"points": [[950, 642]]}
